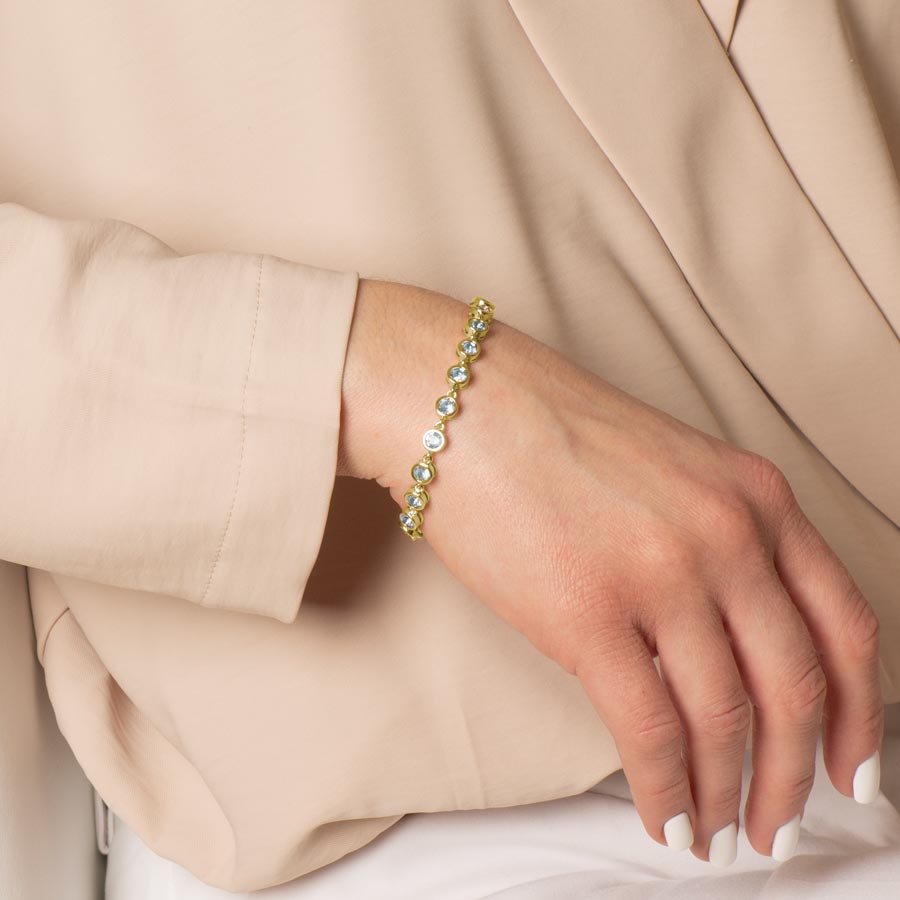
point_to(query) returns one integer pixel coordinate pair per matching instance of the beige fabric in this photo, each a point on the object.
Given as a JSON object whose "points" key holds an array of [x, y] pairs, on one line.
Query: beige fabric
{"points": [[698, 201]]}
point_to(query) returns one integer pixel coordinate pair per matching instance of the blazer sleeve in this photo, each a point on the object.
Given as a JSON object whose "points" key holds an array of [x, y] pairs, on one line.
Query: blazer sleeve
{"points": [[168, 422]]}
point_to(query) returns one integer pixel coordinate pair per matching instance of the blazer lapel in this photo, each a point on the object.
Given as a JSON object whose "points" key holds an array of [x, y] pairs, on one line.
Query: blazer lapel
{"points": [[722, 15], [651, 82]]}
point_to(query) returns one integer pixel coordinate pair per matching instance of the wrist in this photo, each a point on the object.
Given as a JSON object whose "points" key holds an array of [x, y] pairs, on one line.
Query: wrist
{"points": [[399, 347]]}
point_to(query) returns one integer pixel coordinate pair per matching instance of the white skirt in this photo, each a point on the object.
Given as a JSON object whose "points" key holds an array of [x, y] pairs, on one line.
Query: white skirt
{"points": [[586, 846]]}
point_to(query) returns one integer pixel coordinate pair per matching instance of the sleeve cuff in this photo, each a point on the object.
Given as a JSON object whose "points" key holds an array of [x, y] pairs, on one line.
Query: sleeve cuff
{"points": [[290, 424]]}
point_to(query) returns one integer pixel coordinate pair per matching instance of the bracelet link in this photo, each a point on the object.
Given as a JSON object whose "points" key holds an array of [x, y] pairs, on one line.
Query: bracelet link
{"points": [[423, 471]]}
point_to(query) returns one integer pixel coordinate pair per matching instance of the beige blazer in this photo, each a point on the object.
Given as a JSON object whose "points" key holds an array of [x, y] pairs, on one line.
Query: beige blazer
{"points": [[699, 201]]}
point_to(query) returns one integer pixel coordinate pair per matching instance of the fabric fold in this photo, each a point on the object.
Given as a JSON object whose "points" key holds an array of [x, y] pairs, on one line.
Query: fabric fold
{"points": [[166, 414], [758, 257]]}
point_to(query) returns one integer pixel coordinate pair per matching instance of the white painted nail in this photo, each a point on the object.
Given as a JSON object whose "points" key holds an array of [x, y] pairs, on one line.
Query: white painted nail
{"points": [[786, 838], [678, 832], [867, 778], [723, 845]]}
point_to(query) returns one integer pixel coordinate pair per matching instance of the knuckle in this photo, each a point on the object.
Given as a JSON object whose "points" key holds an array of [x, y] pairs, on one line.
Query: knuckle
{"points": [[665, 792], [666, 553], [731, 524], [804, 696], [583, 596], [740, 548], [727, 799], [728, 721], [592, 616], [871, 724], [794, 791], [730, 516], [861, 634], [737, 530], [657, 736], [768, 481]]}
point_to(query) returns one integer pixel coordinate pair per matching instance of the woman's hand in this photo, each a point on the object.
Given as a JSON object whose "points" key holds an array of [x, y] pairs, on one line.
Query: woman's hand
{"points": [[607, 532]]}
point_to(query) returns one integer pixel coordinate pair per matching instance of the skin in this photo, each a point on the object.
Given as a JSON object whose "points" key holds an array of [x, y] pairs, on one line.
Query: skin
{"points": [[607, 532]]}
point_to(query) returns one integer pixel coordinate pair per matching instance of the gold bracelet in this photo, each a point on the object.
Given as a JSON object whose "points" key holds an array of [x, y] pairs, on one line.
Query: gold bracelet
{"points": [[447, 406]]}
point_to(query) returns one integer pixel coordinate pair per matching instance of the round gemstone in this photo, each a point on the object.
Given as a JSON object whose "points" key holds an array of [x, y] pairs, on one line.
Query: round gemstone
{"points": [[484, 305], [422, 472], [414, 500], [434, 439], [470, 348], [446, 406], [477, 324], [459, 374], [407, 520]]}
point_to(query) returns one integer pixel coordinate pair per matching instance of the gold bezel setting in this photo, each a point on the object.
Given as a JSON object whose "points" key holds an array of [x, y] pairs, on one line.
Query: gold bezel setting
{"points": [[420, 467], [454, 373], [468, 349], [419, 495], [450, 395]]}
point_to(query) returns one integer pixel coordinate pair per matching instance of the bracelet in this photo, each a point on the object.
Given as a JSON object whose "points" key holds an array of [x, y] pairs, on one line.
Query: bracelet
{"points": [[447, 406]]}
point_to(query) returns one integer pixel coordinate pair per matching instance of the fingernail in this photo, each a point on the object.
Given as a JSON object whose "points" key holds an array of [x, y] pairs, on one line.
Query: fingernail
{"points": [[867, 779], [678, 832], [786, 838], [723, 845]]}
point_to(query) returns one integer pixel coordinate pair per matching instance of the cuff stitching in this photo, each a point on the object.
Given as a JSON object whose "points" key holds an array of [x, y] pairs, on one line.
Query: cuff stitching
{"points": [[237, 480]]}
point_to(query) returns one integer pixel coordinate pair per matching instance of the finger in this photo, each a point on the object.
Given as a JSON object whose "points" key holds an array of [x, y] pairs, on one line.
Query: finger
{"points": [[845, 630], [621, 680], [706, 688], [786, 685]]}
